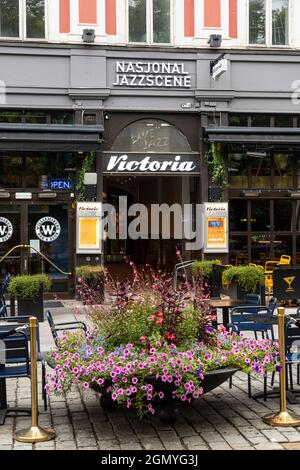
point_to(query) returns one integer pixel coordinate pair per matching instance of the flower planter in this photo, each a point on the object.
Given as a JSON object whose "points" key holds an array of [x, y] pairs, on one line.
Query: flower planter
{"points": [[168, 407], [32, 308]]}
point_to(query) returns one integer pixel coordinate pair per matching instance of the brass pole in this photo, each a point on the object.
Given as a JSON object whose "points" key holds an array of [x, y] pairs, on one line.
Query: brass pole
{"points": [[283, 417], [34, 433]]}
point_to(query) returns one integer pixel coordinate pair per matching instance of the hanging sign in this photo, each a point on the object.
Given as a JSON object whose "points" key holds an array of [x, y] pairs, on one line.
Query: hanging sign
{"points": [[220, 68], [167, 163], [216, 227], [88, 228], [48, 229], [6, 230]]}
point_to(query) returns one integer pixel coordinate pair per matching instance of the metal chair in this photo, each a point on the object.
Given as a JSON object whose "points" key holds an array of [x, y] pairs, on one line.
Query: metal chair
{"points": [[66, 326], [17, 365], [3, 290], [12, 322], [240, 320]]}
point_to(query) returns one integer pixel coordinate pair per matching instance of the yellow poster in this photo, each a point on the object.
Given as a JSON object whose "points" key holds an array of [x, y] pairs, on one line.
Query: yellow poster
{"points": [[88, 232], [216, 232]]}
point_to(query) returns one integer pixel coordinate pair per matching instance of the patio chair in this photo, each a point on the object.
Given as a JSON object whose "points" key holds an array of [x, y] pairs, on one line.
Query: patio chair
{"points": [[13, 322], [240, 322], [3, 290], [17, 365], [66, 326]]}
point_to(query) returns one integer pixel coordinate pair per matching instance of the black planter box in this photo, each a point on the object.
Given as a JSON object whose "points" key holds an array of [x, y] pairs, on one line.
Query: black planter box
{"points": [[30, 308]]}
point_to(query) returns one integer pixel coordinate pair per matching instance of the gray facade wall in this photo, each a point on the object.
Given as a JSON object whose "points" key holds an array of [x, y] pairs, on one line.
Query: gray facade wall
{"points": [[82, 78]]}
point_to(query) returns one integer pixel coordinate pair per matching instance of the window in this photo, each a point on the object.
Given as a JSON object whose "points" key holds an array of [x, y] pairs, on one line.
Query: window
{"points": [[35, 18], [280, 22], [149, 21], [30, 14], [9, 18], [257, 21], [269, 22]]}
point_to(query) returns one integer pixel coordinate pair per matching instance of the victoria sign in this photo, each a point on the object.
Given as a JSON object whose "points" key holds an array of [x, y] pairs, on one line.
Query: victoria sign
{"points": [[151, 164]]}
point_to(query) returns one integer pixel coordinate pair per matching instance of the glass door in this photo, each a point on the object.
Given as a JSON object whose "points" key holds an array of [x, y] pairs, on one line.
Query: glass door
{"points": [[48, 234], [10, 236]]}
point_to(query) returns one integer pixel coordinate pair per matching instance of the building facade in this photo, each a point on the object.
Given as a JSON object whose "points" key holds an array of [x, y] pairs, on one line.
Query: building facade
{"points": [[140, 106]]}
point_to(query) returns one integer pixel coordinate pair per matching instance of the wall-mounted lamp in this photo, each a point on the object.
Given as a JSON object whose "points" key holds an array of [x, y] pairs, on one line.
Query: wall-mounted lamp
{"points": [[215, 40], [88, 35], [251, 193]]}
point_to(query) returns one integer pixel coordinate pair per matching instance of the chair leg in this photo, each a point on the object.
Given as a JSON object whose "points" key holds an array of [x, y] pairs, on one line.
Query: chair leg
{"points": [[265, 386], [249, 386], [291, 376], [298, 374], [230, 382], [44, 393], [273, 379]]}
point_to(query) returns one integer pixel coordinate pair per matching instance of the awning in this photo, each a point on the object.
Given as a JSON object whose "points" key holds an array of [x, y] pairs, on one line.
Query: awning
{"points": [[254, 135], [50, 137]]}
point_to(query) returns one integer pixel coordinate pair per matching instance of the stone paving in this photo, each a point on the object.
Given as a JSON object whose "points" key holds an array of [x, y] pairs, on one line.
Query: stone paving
{"points": [[225, 419]]}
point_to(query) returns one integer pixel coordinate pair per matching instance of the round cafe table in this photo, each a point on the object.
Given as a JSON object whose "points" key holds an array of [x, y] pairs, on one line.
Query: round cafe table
{"points": [[226, 305]]}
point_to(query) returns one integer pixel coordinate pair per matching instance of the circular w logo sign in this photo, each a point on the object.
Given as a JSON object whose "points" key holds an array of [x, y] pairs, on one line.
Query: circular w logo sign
{"points": [[48, 229]]}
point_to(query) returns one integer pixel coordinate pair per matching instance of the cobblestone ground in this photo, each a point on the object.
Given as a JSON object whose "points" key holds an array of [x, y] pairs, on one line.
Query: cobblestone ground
{"points": [[225, 419]]}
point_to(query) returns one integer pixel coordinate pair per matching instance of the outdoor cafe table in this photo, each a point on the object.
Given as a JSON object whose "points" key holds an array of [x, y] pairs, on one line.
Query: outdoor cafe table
{"points": [[226, 305]]}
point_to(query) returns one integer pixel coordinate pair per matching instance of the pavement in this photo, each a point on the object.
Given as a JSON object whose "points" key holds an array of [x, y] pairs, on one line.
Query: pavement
{"points": [[225, 419]]}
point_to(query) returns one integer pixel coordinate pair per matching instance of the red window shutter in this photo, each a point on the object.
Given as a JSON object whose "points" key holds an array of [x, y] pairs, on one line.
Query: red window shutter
{"points": [[88, 11], [189, 18], [233, 19], [212, 13], [110, 17], [64, 16]]}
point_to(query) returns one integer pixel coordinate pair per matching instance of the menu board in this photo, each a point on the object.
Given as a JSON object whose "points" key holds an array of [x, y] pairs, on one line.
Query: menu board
{"points": [[216, 227]]}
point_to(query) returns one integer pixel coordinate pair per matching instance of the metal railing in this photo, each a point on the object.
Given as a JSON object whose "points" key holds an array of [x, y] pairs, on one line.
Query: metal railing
{"points": [[26, 247]]}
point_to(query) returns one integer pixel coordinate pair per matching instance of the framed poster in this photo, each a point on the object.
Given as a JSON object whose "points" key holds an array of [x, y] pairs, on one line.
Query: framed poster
{"points": [[216, 227], [88, 228]]}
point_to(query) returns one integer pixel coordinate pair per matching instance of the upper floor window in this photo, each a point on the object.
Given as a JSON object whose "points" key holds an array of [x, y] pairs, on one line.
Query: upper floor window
{"points": [[22, 19], [269, 22], [149, 21]]}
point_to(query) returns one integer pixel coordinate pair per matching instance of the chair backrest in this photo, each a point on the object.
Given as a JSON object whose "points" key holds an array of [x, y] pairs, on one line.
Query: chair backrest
{"points": [[272, 304], [292, 336], [253, 299], [52, 325], [2, 310], [15, 348], [284, 259], [13, 322]]}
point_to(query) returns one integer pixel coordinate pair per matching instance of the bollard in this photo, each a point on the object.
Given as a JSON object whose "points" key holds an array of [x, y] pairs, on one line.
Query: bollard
{"points": [[35, 433], [283, 418]]}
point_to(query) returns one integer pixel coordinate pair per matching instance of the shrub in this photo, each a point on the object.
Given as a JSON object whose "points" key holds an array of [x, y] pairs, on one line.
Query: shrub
{"points": [[248, 277], [29, 287], [88, 272], [204, 268], [90, 284]]}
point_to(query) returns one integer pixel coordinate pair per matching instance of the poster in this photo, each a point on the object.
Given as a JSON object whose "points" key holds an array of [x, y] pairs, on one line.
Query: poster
{"points": [[88, 228], [216, 227]]}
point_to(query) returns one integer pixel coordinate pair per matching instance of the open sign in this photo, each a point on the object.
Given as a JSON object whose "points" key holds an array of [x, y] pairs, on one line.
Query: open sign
{"points": [[61, 184]]}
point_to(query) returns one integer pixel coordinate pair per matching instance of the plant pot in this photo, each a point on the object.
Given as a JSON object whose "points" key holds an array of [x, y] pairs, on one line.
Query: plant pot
{"points": [[168, 408], [32, 308], [236, 292]]}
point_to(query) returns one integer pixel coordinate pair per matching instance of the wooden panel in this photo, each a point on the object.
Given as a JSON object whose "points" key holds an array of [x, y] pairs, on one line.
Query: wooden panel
{"points": [[88, 11], [110, 17], [212, 13], [233, 19], [189, 18], [64, 16]]}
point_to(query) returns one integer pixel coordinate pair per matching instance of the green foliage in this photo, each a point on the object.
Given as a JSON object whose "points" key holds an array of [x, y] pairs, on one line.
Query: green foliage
{"points": [[216, 163], [28, 287], [88, 272], [128, 325], [248, 277], [87, 166], [204, 267], [190, 326]]}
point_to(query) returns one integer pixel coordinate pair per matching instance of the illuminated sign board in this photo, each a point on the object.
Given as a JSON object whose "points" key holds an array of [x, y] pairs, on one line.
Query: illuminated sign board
{"points": [[89, 228], [216, 227]]}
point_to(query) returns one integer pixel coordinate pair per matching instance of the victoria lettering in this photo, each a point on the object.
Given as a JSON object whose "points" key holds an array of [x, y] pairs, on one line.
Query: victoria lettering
{"points": [[120, 163]]}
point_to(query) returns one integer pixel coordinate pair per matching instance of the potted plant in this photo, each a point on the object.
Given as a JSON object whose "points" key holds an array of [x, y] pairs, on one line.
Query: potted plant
{"points": [[154, 348], [241, 280], [29, 291], [90, 284]]}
